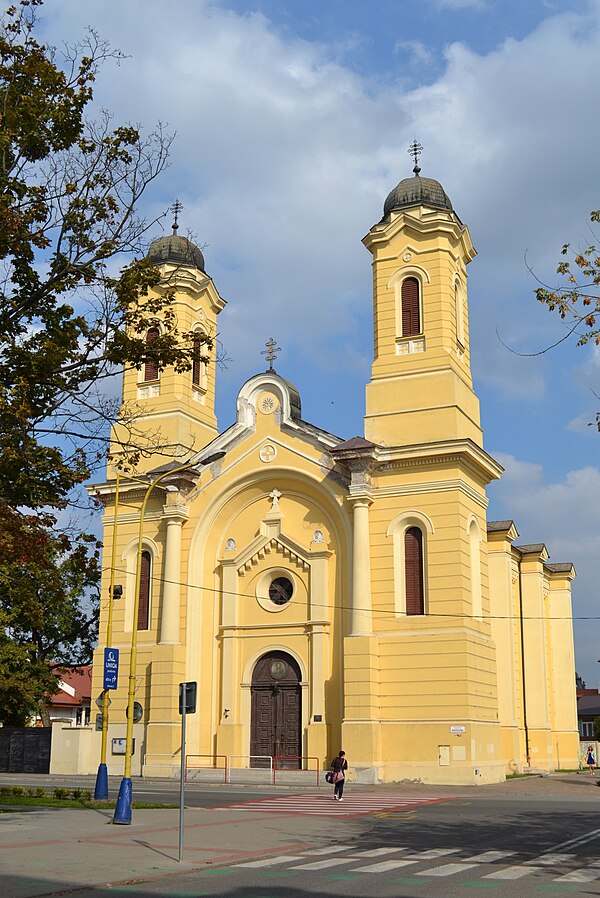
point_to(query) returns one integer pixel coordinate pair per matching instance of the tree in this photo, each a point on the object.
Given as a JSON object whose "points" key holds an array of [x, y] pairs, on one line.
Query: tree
{"points": [[69, 189], [43, 624], [579, 300], [597, 729]]}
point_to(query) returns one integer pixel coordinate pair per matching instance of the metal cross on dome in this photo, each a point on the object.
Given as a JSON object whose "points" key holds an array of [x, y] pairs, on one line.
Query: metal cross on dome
{"points": [[415, 150], [176, 209], [270, 352]]}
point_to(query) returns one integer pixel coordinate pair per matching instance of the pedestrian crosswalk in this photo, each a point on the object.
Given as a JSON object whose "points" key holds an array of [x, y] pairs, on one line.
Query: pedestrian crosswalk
{"points": [[357, 804], [489, 866]]}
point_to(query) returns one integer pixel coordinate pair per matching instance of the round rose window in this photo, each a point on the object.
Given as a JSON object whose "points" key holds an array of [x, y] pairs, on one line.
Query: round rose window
{"points": [[280, 590]]}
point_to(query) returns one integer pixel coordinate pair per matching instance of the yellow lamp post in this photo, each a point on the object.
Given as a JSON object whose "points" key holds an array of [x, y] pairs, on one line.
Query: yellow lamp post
{"points": [[122, 813], [101, 790]]}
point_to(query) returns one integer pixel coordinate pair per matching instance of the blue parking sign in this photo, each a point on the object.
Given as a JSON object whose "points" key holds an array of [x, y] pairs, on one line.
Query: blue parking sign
{"points": [[111, 668]]}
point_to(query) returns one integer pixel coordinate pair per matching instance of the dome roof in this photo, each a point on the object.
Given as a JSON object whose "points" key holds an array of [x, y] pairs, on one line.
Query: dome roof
{"points": [[417, 191], [175, 249]]}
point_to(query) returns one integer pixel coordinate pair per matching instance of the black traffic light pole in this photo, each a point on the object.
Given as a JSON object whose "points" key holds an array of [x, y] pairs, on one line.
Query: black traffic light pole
{"points": [[187, 705]]}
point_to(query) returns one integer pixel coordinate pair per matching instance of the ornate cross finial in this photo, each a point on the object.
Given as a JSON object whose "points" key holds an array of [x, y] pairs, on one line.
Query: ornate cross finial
{"points": [[176, 209], [274, 496], [415, 150], [271, 352]]}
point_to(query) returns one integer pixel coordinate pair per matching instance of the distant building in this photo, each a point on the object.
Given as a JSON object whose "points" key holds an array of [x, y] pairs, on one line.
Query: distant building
{"points": [[71, 703], [329, 593], [588, 708]]}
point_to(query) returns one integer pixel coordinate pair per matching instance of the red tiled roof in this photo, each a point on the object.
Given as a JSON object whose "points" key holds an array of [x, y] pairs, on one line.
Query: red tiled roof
{"points": [[78, 677]]}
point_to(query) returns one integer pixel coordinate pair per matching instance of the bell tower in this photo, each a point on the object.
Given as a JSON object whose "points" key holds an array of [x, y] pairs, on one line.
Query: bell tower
{"points": [[421, 389], [171, 409]]}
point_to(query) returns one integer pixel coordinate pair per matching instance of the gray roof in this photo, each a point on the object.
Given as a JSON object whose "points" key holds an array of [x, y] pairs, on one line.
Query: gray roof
{"points": [[532, 549], [174, 248], [417, 191], [588, 704], [354, 443], [560, 567], [495, 526]]}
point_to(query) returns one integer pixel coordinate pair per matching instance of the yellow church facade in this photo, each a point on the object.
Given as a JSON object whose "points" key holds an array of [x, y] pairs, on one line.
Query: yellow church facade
{"points": [[329, 594]]}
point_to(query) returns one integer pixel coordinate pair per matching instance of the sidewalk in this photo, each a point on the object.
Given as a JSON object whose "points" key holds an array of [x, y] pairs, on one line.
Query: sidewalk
{"points": [[45, 851]]}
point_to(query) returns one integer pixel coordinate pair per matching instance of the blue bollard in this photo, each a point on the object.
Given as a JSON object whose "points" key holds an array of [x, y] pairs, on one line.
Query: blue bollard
{"points": [[101, 790], [123, 808]]}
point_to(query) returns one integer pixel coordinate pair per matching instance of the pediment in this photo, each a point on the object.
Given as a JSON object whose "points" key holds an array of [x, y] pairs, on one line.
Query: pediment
{"points": [[271, 545]]}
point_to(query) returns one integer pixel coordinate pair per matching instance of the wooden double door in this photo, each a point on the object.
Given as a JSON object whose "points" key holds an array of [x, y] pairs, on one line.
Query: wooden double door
{"points": [[275, 728]]}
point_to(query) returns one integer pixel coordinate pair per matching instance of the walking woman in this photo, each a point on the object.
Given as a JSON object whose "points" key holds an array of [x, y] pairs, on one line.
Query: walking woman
{"points": [[590, 760], [339, 766]]}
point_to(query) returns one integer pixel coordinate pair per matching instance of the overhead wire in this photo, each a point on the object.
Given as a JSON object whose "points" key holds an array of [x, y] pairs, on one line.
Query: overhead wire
{"points": [[375, 611]]}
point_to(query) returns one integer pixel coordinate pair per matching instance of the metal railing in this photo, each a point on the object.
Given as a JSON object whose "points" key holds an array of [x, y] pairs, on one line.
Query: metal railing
{"points": [[245, 773], [276, 770], [148, 761], [220, 771]]}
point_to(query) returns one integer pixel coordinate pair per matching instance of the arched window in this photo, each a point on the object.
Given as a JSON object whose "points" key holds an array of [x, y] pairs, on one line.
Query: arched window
{"points": [[151, 366], [413, 570], [411, 307], [411, 532], [143, 621], [475, 550], [460, 318], [199, 372]]}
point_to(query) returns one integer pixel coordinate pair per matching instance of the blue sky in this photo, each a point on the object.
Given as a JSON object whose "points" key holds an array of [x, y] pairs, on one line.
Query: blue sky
{"points": [[292, 122]]}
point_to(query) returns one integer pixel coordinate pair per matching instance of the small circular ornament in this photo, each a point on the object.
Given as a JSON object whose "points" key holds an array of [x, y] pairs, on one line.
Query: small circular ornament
{"points": [[267, 405], [267, 453], [277, 670]]}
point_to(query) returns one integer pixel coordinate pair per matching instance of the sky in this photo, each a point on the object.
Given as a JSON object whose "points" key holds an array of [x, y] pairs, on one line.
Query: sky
{"points": [[292, 124]]}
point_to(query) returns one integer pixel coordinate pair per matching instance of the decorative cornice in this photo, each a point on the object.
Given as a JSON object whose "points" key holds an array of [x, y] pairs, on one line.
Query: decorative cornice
{"points": [[463, 451], [273, 545], [431, 486], [233, 629]]}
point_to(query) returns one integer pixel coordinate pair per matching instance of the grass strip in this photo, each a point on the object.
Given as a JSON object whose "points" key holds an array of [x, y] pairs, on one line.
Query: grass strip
{"points": [[16, 801]]}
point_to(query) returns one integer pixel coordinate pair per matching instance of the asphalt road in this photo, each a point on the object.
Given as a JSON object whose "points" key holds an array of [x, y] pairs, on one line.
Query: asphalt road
{"points": [[458, 848]]}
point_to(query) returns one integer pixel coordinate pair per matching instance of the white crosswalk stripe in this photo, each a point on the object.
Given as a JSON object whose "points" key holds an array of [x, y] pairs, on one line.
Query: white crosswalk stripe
{"points": [[383, 867], [358, 861], [377, 852], [515, 872], [321, 804], [588, 874], [434, 853], [271, 861], [330, 849], [488, 857], [549, 860], [446, 870], [323, 865]]}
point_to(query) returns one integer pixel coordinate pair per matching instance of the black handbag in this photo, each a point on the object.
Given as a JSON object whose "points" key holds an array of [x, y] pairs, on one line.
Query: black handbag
{"points": [[329, 777]]}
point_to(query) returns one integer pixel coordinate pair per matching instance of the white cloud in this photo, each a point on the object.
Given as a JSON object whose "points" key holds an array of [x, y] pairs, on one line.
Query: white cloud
{"points": [[419, 54], [284, 157], [564, 515]]}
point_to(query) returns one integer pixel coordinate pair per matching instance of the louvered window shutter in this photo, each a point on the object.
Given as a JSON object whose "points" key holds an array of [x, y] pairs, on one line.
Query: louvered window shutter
{"points": [[411, 317], [144, 602], [197, 362], [413, 566], [151, 367]]}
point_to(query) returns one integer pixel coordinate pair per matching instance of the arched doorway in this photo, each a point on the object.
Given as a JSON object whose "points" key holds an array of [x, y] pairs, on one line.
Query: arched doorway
{"points": [[276, 710]]}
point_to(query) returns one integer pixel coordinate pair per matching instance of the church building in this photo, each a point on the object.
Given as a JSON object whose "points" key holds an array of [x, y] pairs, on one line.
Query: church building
{"points": [[331, 594]]}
